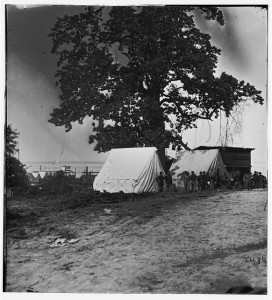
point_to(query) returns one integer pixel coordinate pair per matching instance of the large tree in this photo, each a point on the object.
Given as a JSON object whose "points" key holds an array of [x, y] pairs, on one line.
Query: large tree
{"points": [[144, 74]]}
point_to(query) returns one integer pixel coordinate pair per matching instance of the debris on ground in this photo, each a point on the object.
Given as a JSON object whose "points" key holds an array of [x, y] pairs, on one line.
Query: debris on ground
{"points": [[73, 241], [107, 211], [58, 242]]}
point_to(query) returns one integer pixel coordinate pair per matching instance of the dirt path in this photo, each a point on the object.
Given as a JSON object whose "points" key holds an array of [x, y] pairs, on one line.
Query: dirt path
{"points": [[159, 244]]}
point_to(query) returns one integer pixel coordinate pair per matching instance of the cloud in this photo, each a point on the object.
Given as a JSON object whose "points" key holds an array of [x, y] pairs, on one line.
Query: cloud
{"points": [[30, 100]]}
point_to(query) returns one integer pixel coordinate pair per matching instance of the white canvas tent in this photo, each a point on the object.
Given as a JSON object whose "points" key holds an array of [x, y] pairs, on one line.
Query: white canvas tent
{"points": [[35, 177], [197, 161], [130, 170]]}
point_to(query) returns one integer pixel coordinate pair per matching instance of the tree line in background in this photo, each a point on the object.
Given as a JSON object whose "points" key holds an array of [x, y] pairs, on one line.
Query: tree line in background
{"points": [[15, 174]]}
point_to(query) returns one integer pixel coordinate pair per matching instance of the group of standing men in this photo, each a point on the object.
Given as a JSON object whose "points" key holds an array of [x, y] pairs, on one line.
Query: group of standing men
{"points": [[250, 181], [168, 180], [204, 182], [191, 181]]}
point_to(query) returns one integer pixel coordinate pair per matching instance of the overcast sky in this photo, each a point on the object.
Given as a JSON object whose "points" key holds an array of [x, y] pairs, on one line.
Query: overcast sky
{"points": [[31, 91]]}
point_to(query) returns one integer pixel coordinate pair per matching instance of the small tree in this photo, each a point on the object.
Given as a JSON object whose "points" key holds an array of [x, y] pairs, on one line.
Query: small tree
{"points": [[15, 174]]}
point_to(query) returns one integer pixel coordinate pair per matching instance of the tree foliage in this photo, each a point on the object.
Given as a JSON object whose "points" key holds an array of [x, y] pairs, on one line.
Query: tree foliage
{"points": [[11, 141], [144, 74], [14, 169]]}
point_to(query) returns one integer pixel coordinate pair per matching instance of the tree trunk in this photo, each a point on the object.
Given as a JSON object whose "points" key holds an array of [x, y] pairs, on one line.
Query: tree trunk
{"points": [[157, 120], [159, 124], [161, 153]]}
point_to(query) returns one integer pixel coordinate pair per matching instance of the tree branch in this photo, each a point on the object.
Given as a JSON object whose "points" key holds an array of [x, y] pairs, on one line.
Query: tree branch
{"points": [[170, 94], [184, 145], [198, 116]]}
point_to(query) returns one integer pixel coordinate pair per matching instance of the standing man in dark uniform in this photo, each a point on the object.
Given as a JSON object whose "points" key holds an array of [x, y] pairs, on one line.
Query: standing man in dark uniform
{"points": [[193, 181], [168, 180], [160, 180], [204, 176], [208, 181], [200, 181], [247, 181]]}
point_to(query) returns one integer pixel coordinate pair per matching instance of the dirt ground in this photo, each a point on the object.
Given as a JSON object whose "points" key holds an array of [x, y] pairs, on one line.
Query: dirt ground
{"points": [[156, 243]]}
